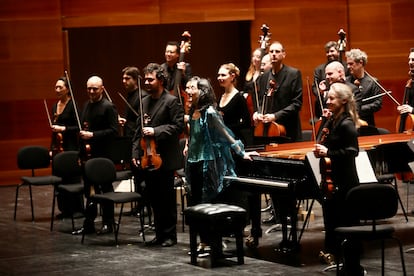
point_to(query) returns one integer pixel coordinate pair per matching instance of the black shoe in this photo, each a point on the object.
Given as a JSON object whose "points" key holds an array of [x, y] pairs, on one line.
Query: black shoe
{"points": [[106, 229], [83, 230], [153, 242], [168, 243], [269, 220]]}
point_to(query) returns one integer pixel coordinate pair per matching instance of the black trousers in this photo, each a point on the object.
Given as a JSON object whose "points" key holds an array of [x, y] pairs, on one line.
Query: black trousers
{"points": [[162, 196]]}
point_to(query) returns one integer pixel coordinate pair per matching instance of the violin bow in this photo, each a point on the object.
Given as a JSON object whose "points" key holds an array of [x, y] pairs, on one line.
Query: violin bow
{"points": [[47, 112], [73, 101], [388, 93], [128, 104], [311, 109]]}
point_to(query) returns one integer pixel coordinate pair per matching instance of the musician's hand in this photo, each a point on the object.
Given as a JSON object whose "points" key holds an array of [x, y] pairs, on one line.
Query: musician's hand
{"points": [[121, 121], [86, 135], [257, 117], [181, 66], [405, 108], [248, 155], [326, 113], [148, 131], [322, 87], [136, 163], [267, 118], [320, 151], [57, 128]]}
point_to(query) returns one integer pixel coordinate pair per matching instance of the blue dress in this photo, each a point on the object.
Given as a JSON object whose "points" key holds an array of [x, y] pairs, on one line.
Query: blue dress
{"points": [[210, 155]]}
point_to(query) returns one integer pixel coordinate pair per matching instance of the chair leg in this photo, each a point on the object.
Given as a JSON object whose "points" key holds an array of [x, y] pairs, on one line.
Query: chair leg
{"points": [[31, 201], [15, 202], [401, 255], [53, 208], [239, 247], [117, 225], [382, 258], [399, 199]]}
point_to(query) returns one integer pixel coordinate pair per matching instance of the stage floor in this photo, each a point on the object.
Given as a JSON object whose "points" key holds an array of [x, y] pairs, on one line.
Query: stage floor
{"points": [[31, 249]]}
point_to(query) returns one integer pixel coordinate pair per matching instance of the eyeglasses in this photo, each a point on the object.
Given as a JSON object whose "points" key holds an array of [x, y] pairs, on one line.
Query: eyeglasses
{"points": [[149, 79]]}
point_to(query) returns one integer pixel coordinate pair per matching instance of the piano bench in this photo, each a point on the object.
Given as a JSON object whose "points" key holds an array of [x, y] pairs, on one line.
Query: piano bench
{"points": [[217, 221]]}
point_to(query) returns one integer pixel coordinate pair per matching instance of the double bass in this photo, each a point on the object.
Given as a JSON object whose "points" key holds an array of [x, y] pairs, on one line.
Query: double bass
{"points": [[177, 90], [271, 129]]}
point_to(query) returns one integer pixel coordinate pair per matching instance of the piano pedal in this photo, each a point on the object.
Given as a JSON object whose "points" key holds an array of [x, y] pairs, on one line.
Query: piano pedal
{"points": [[286, 246]]}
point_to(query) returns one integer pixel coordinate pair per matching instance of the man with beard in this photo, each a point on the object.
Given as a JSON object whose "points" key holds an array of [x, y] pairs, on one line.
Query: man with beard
{"points": [[162, 121]]}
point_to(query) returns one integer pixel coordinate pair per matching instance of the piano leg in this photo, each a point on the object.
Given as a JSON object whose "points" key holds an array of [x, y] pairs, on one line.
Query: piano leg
{"points": [[254, 202], [285, 206]]}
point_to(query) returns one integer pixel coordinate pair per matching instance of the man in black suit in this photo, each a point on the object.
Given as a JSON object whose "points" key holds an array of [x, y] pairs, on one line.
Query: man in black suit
{"points": [[286, 101], [163, 118], [99, 118], [282, 107]]}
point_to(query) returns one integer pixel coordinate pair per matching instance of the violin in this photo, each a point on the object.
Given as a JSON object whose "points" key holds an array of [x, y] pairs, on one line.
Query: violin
{"points": [[178, 91], [57, 137], [271, 129], [150, 159], [327, 186]]}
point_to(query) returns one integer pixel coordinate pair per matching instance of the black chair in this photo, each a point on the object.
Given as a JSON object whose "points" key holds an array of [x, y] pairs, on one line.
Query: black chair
{"points": [[370, 203], [101, 171], [66, 166], [180, 182], [34, 158], [120, 152]]}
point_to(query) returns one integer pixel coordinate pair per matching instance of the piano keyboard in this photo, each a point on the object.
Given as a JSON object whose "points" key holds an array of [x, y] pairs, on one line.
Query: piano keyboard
{"points": [[259, 182]]}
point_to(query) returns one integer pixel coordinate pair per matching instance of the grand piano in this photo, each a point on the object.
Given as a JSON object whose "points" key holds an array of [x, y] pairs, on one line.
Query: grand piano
{"points": [[288, 172]]}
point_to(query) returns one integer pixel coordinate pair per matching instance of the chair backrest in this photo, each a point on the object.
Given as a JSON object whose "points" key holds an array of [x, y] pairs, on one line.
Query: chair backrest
{"points": [[100, 171], [119, 150], [372, 201], [33, 157], [66, 165]]}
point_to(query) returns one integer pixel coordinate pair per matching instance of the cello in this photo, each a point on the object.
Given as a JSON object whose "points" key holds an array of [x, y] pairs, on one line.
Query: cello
{"points": [[405, 122], [177, 90], [271, 129]]}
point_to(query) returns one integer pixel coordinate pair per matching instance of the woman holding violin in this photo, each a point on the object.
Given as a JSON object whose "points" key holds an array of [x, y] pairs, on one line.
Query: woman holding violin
{"points": [[337, 150], [64, 124], [232, 105], [156, 150]]}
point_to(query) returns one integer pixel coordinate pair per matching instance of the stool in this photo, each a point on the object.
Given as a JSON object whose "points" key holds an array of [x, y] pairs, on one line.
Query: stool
{"points": [[217, 220]]}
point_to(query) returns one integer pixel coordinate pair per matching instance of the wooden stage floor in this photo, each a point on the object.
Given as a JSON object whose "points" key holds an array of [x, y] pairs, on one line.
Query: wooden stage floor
{"points": [[31, 249]]}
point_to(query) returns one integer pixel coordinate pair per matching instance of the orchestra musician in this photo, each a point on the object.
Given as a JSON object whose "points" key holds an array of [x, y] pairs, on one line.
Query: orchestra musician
{"points": [[165, 122], [64, 118], [65, 137], [232, 105], [408, 105], [356, 61], [250, 85], [332, 53], [130, 76], [340, 146], [334, 72], [99, 118], [283, 108], [172, 66], [209, 151], [286, 102]]}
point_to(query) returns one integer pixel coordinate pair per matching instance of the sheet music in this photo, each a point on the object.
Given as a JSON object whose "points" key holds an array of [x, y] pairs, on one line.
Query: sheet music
{"points": [[365, 171]]}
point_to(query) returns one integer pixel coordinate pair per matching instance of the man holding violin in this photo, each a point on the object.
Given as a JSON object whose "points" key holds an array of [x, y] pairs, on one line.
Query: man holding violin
{"points": [[156, 151]]}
